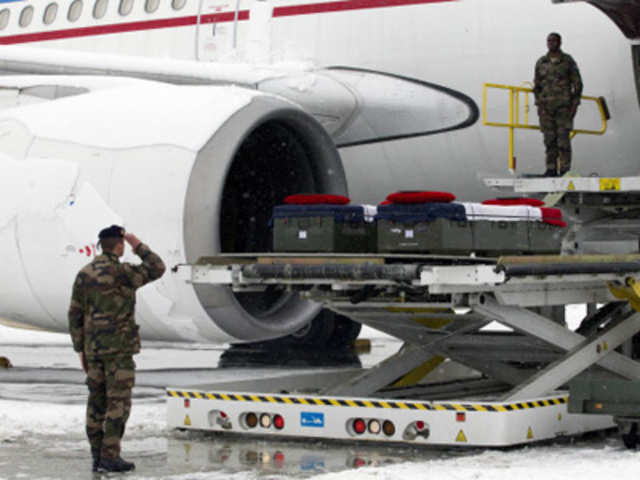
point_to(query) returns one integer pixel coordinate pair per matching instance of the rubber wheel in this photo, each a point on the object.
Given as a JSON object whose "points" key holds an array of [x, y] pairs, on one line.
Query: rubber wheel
{"points": [[327, 331], [345, 332], [635, 346], [630, 439], [317, 332]]}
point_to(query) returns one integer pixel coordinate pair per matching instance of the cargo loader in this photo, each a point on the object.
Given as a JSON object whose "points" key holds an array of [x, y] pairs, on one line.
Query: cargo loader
{"points": [[454, 381]]}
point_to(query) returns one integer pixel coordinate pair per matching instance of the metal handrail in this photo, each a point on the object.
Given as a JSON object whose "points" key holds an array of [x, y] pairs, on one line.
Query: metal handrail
{"points": [[514, 114]]}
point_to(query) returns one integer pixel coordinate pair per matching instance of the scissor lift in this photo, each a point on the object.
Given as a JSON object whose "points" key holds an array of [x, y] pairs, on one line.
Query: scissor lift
{"points": [[453, 382]]}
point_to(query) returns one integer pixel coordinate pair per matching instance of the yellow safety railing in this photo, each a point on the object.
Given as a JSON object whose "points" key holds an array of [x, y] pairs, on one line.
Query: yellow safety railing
{"points": [[515, 107]]}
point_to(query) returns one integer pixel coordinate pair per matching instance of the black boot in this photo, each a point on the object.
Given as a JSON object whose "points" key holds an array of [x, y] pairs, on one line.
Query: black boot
{"points": [[550, 173], [95, 453], [115, 465]]}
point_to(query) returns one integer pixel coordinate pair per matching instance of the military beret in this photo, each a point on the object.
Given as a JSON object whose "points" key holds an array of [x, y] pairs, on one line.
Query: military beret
{"points": [[114, 231]]}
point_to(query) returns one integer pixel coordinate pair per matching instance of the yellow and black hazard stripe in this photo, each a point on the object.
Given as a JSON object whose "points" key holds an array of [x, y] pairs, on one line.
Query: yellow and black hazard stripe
{"points": [[393, 404]]}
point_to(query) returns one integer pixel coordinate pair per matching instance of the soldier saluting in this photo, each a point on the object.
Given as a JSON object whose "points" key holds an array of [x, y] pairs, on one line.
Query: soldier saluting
{"points": [[557, 90], [105, 334]]}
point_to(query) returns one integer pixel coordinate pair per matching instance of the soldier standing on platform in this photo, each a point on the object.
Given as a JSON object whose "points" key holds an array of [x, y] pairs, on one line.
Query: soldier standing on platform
{"points": [[557, 90], [105, 335]]}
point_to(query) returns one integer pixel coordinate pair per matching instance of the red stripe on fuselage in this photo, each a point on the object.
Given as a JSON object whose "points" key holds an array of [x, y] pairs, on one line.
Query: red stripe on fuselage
{"points": [[98, 30], [341, 6], [305, 9], [122, 27]]}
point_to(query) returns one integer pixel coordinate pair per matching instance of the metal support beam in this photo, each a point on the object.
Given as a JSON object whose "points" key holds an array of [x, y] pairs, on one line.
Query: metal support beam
{"points": [[578, 359], [488, 364], [408, 358], [434, 344], [382, 374], [596, 317], [540, 327], [554, 312], [417, 327]]}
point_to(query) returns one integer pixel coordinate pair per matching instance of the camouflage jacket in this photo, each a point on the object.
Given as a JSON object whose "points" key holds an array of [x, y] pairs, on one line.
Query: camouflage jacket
{"points": [[557, 81], [101, 314]]}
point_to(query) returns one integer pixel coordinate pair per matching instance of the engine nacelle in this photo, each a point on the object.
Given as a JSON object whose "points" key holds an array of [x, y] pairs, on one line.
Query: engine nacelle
{"points": [[193, 171]]}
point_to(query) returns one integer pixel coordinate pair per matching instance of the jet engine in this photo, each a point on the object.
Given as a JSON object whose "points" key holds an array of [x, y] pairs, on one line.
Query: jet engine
{"points": [[194, 171]]}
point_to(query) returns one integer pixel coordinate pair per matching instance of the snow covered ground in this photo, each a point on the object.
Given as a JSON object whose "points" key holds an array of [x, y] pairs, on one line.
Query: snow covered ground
{"points": [[41, 436]]}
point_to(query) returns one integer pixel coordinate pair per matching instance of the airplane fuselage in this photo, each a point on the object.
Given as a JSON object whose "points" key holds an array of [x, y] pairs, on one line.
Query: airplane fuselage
{"points": [[456, 44], [433, 57]]}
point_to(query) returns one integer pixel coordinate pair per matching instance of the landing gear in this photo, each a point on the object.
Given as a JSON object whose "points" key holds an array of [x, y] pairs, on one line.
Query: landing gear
{"points": [[635, 349], [326, 341], [316, 334], [631, 438], [345, 332], [328, 331]]}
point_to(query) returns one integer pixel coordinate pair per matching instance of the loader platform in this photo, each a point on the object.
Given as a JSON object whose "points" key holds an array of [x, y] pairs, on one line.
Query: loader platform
{"points": [[456, 380]]}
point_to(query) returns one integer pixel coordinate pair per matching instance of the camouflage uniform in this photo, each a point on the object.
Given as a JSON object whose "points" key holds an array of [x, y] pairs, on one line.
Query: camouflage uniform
{"points": [[102, 325], [557, 89]]}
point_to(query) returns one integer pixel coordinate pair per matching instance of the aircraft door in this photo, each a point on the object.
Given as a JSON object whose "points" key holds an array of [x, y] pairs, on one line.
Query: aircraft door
{"points": [[636, 67], [217, 29], [256, 37]]}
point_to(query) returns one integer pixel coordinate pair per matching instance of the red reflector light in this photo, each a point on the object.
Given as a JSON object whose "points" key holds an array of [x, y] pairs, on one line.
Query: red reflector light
{"points": [[358, 462], [420, 425], [278, 457], [223, 415], [461, 417], [359, 426], [278, 422], [187, 403]]}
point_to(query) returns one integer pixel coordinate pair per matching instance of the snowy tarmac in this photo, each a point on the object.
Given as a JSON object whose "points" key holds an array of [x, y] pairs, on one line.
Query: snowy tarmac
{"points": [[42, 403]]}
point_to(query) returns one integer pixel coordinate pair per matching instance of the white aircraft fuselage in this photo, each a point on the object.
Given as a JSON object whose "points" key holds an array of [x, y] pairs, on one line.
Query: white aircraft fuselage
{"points": [[416, 69], [458, 44]]}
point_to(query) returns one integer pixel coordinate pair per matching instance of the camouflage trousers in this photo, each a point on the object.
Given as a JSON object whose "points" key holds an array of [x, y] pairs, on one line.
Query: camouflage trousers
{"points": [[556, 125], [110, 381]]}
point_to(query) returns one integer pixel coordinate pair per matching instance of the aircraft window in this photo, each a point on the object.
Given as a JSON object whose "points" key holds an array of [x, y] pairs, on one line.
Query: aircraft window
{"points": [[75, 10], [125, 7], [50, 13], [151, 6], [100, 9], [178, 4], [26, 16], [4, 18]]}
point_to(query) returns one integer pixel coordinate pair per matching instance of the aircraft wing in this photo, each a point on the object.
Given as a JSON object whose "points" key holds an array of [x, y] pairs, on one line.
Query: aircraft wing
{"points": [[356, 106]]}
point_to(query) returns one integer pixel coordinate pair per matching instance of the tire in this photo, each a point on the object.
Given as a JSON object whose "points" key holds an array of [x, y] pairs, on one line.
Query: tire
{"points": [[327, 331], [635, 349], [630, 439], [316, 334], [345, 333]]}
